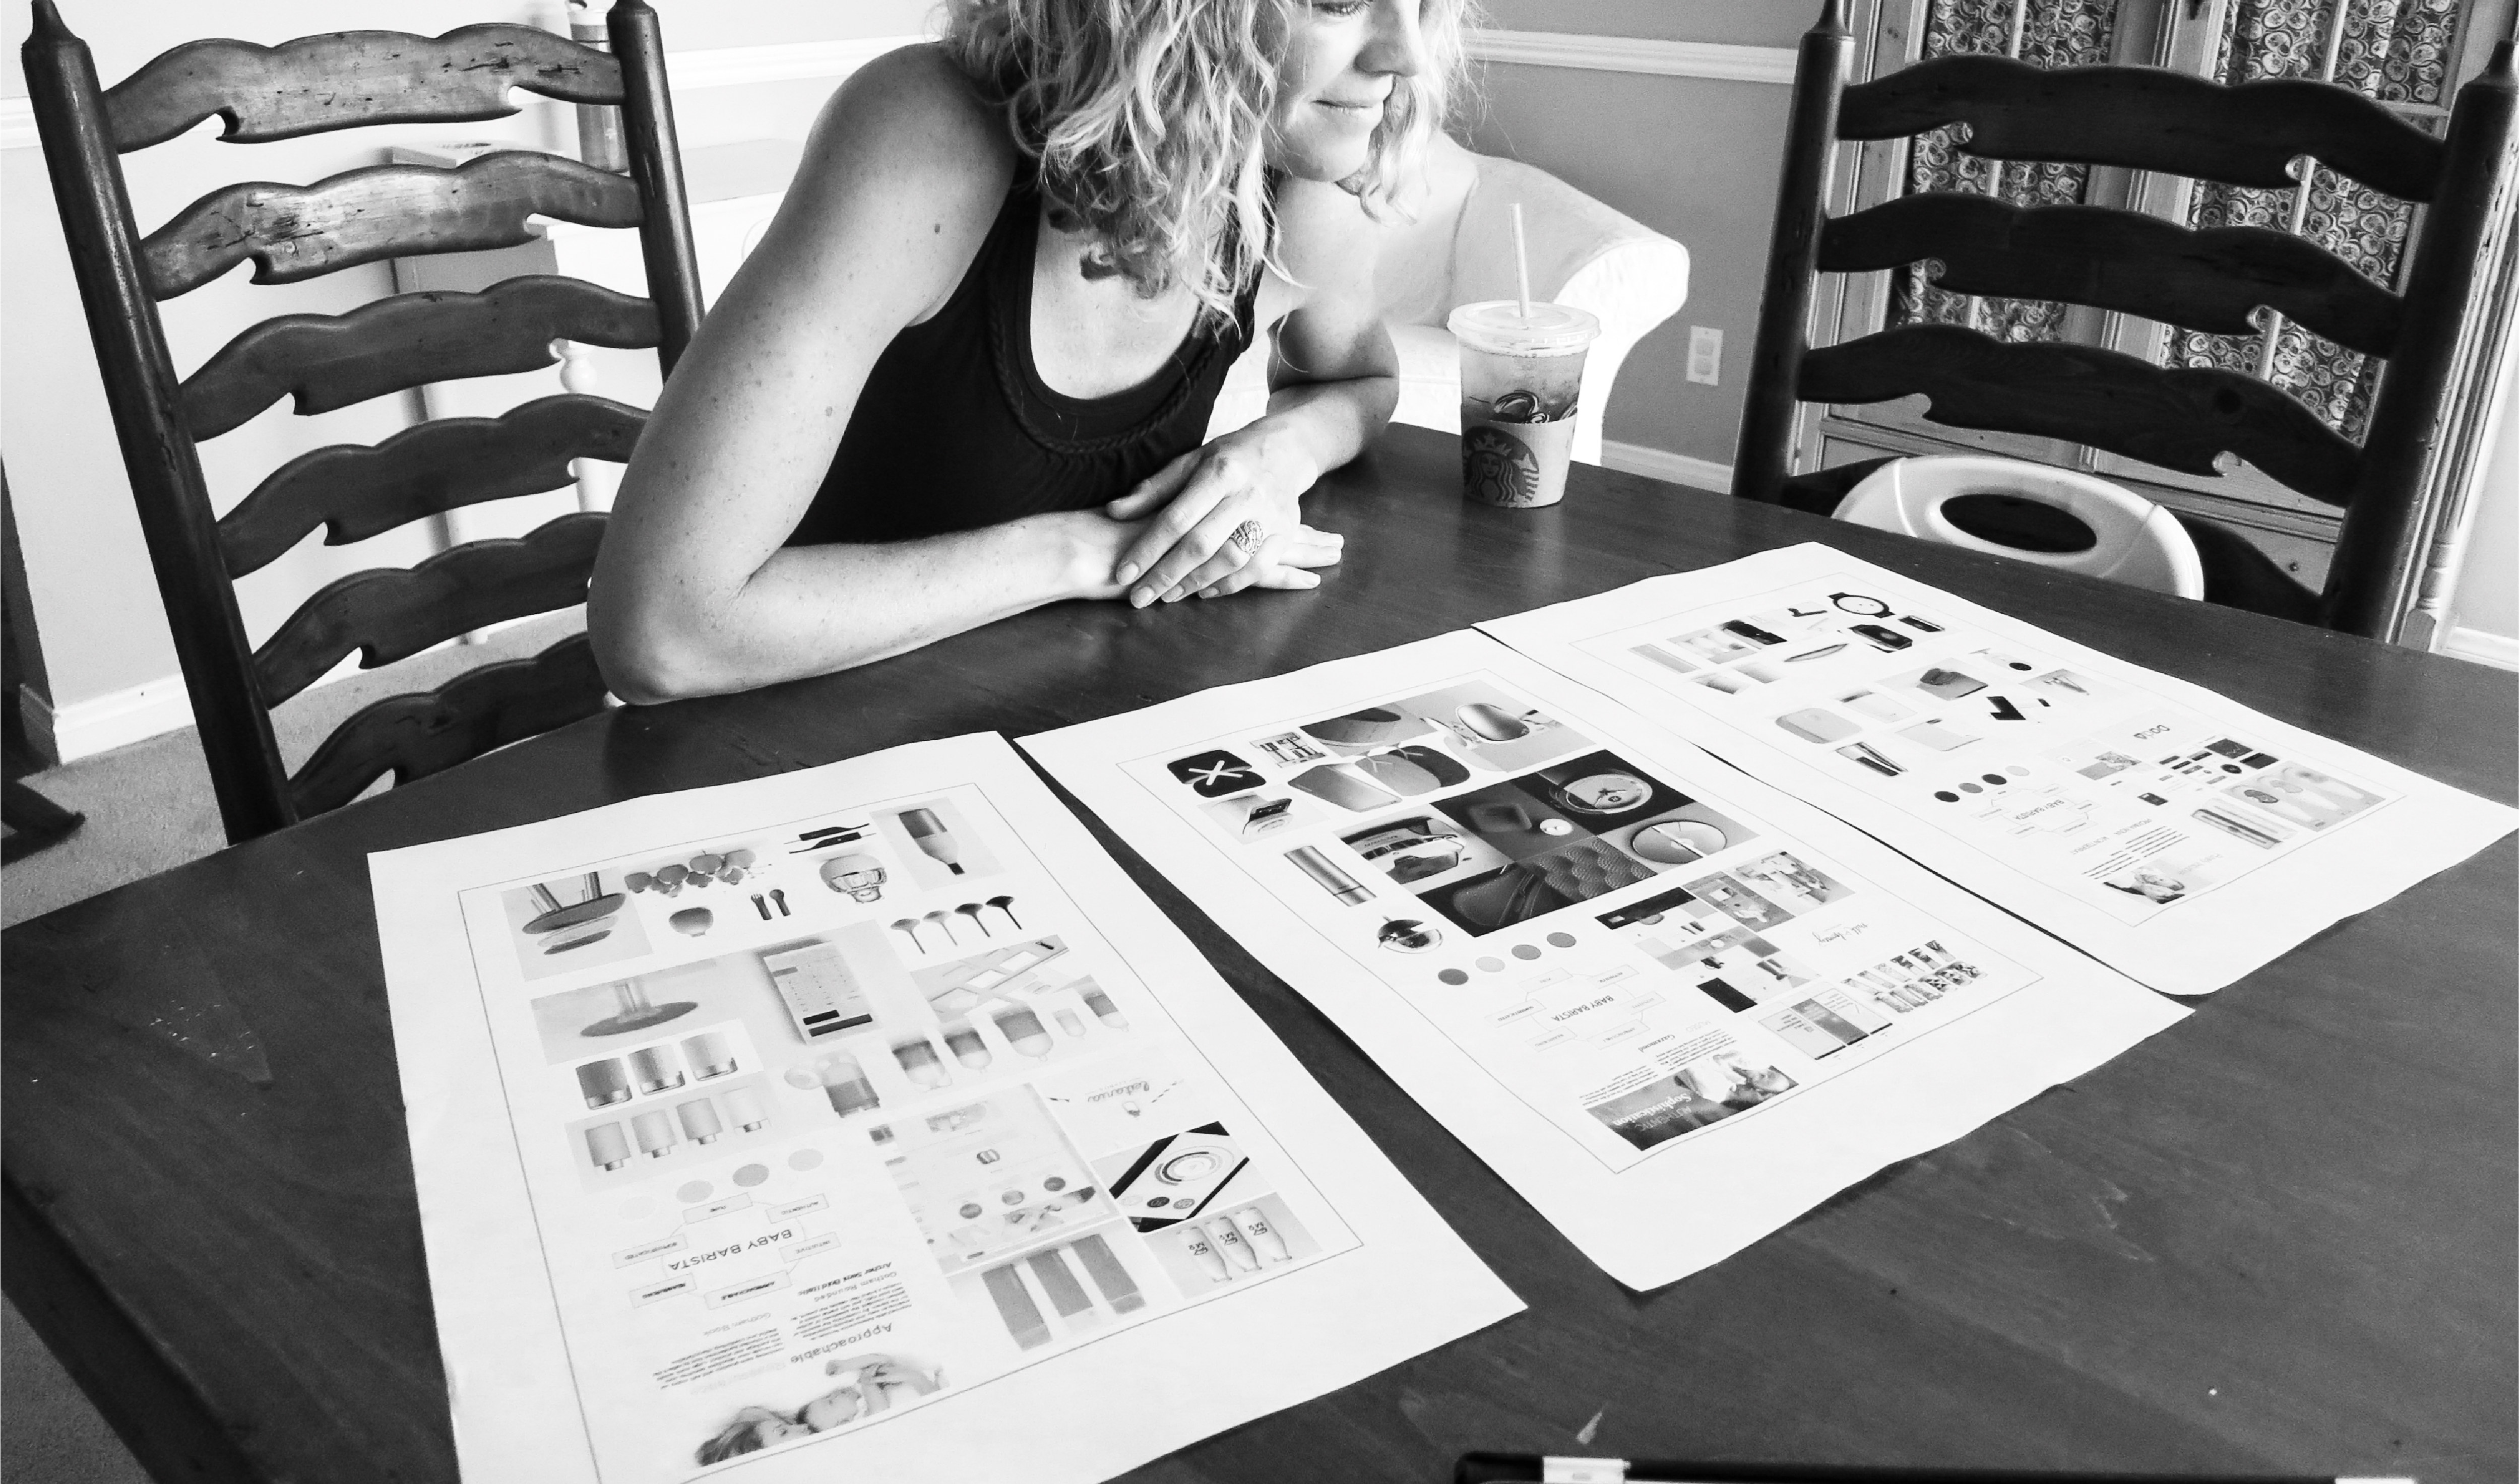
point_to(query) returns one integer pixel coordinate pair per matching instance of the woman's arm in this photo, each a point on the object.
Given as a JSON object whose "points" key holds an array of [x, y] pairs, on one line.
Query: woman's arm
{"points": [[695, 591], [1334, 379]]}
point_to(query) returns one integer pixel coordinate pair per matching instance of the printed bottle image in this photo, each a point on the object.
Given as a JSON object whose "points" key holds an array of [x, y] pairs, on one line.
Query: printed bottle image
{"points": [[920, 1062], [934, 841], [1022, 1031], [966, 1044], [1203, 1254], [1230, 1242], [1099, 1001], [845, 1083], [1263, 1237]]}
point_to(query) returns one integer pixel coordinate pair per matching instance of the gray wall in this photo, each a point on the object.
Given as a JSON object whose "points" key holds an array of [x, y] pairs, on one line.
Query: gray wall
{"points": [[1690, 158]]}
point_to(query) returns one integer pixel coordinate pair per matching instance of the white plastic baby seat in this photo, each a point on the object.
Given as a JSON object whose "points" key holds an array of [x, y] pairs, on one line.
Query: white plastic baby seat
{"points": [[2138, 542]]}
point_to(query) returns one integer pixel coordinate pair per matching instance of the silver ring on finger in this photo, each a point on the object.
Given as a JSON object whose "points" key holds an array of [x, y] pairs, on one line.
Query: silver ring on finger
{"points": [[1250, 536]]}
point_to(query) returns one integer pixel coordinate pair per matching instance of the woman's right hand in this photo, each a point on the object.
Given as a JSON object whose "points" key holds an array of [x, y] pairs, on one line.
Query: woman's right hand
{"points": [[1098, 543]]}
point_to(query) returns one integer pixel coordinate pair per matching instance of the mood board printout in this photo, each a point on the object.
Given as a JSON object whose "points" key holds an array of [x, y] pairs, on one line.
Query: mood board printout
{"points": [[2173, 833], [867, 1123], [1672, 1007]]}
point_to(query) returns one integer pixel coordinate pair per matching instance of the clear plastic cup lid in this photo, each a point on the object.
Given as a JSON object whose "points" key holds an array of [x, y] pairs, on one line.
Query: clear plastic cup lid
{"points": [[1499, 328]]}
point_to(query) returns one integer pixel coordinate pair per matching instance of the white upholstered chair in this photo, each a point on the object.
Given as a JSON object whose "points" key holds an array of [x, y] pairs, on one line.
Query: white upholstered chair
{"points": [[1459, 251]]}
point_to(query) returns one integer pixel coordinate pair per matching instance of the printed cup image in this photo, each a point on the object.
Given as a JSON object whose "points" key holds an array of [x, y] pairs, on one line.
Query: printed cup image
{"points": [[1521, 379], [656, 1069], [654, 1133], [604, 1083], [606, 1146], [699, 1119], [743, 1105], [708, 1055]]}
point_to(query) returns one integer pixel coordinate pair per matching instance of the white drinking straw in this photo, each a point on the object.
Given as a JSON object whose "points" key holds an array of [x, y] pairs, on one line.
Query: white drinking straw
{"points": [[1521, 261]]}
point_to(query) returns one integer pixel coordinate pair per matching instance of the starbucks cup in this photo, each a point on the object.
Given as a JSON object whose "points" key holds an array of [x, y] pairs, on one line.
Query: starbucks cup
{"points": [[1520, 376]]}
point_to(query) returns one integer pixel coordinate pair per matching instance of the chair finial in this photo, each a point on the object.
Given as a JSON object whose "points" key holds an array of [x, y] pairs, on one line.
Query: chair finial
{"points": [[2499, 69], [1832, 18], [48, 24]]}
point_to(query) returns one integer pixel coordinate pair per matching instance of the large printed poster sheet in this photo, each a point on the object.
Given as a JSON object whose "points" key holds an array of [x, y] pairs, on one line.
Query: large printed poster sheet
{"points": [[868, 1123], [2177, 835], [1672, 1007]]}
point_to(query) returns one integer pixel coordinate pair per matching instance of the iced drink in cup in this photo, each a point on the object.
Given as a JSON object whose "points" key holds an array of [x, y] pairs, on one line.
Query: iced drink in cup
{"points": [[1521, 375]]}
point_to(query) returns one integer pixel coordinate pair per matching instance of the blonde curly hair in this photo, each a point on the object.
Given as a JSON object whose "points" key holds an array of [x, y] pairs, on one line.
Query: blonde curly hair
{"points": [[1148, 123]]}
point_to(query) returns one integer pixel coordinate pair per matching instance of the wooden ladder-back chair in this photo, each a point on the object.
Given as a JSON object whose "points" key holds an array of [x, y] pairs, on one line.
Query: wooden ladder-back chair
{"points": [[2212, 280], [313, 85]]}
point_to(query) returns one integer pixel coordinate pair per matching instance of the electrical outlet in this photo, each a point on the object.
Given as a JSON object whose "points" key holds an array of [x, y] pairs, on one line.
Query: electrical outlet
{"points": [[1705, 353]]}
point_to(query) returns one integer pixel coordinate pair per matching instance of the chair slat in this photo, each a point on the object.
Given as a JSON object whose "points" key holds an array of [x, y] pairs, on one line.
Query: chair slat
{"points": [[426, 731], [2120, 260], [332, 360], [341, 82], [355, 491], [363, 216], [2150, 118], [391, 614], [2179, 420]]}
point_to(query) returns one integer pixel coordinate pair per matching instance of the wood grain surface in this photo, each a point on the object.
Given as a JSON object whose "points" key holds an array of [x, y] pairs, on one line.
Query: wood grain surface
{"points": [[350, 79], [2150, 118], [391, 345], [355, 491], [383, 211], [2278, 1236], [2185, 417], [2120, 260], [392, 613], [419, 733]]}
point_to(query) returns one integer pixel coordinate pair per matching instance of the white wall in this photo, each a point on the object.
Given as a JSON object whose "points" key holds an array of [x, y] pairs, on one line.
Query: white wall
{"points": [[104, 631], [2484, 610]]}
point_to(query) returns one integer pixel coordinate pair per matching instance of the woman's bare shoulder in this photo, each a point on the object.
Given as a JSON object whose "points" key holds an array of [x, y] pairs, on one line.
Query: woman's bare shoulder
{"points": [[1325, 239], [905, 170], [912, 118]]}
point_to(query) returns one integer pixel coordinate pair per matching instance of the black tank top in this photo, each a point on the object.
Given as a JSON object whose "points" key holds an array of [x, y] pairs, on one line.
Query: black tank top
{"points": [[956, 430]]}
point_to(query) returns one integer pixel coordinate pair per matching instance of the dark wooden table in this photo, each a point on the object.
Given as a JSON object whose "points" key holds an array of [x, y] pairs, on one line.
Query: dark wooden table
{"points": [[2281, 1236]]}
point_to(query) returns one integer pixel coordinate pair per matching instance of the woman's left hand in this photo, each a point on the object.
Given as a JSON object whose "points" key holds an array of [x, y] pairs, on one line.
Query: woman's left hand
{"points": [[1231, 518]]}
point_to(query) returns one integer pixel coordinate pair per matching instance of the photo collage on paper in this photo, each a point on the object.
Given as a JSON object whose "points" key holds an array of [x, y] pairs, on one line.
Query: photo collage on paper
{"points": [[842, 1115], [2130, 802], [1635, 959]]}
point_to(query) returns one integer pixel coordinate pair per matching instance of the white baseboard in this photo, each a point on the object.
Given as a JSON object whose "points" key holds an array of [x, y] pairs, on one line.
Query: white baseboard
{"points": [[120, 718], [1663, 464], [2499, 649]]}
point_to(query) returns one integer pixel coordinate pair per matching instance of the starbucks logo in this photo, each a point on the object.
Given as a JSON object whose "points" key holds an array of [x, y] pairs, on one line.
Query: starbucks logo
{"points": [[1498, 469]]}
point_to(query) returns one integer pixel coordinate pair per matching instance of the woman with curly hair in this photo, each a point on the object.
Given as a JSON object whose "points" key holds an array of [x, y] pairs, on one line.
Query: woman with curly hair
{"points": [[968, 369]]}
